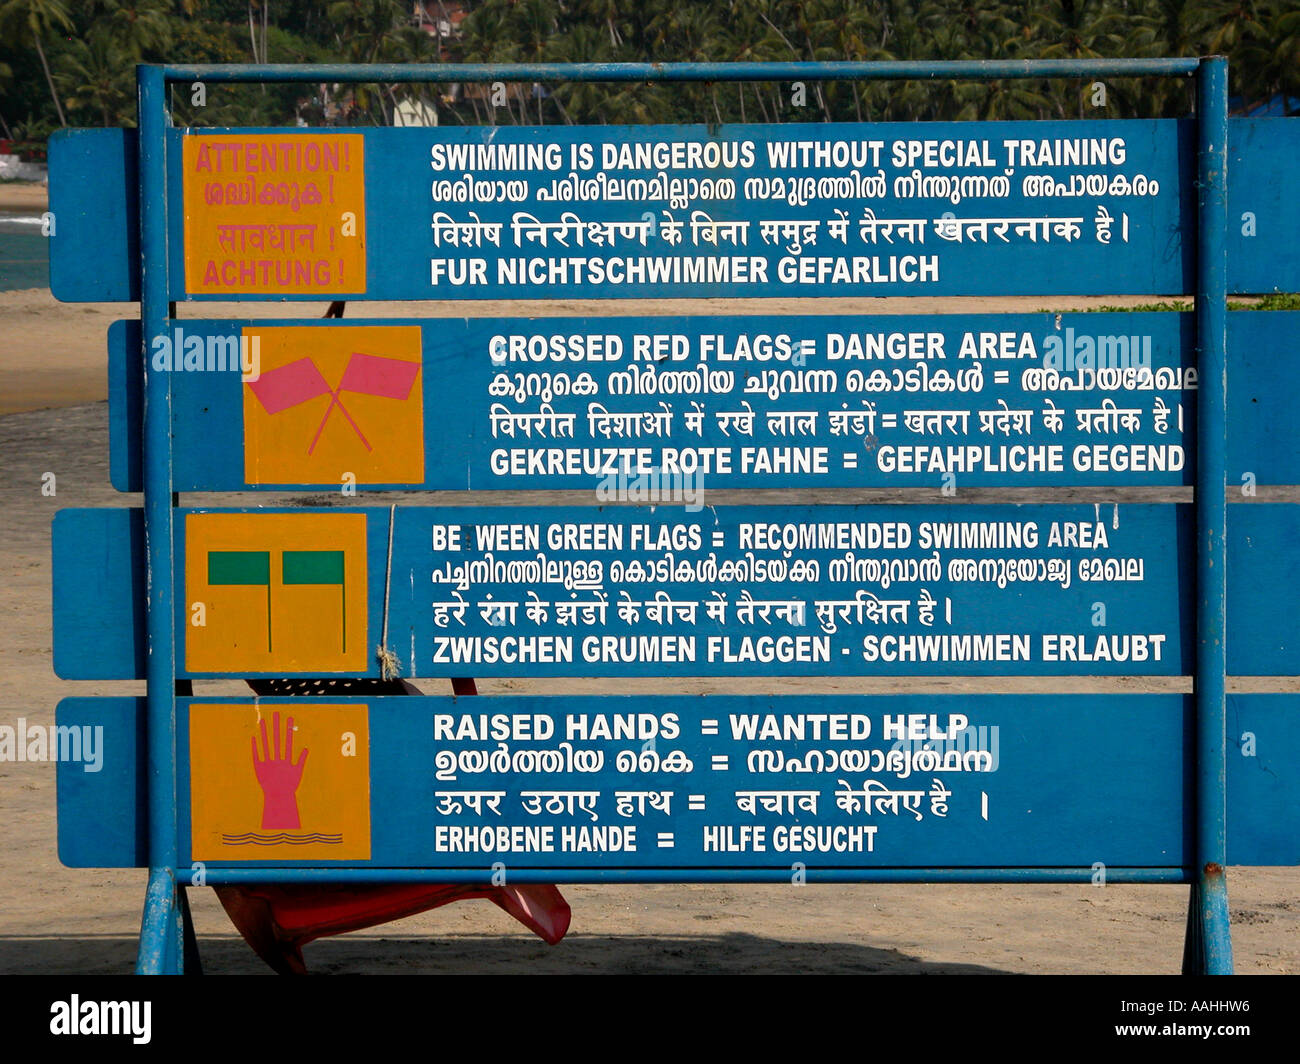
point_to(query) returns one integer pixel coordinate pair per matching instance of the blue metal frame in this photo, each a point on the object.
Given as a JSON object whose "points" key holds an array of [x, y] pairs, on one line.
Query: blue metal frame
{"points": [[1210, 948], [1208, 940], [974, 69], [217, 876], [161, 909]]}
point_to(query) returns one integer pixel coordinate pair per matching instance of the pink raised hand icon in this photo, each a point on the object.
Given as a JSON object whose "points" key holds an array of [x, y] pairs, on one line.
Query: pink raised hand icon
{"points": [[278, 777]]}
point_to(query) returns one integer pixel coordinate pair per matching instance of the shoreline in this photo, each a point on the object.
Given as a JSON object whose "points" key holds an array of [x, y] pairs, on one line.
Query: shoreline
{"points": [[20, 197]]}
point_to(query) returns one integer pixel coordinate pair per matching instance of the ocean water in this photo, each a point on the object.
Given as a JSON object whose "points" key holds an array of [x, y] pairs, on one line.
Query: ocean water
{"points": [[24, 253]]}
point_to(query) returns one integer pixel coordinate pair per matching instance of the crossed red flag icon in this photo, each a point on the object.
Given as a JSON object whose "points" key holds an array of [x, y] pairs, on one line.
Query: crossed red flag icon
{"points": [[295, 383]]}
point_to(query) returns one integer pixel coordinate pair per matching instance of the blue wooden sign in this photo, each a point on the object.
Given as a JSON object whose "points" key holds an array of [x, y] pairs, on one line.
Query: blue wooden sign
{"points": [[442, 184], [99, 576], [649, 787], [698, 403], [656, 411], [628, 591], [757, 402]]}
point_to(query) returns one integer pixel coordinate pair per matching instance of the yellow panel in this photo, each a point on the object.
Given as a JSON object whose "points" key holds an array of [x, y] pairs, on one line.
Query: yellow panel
{"points": [[377, 438], [274, 213], [250, 801], [316, 628]]}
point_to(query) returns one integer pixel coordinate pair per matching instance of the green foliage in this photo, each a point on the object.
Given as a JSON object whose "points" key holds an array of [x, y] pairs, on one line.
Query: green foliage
{"points": [[1271, 301], [1176, 305], [64, 62]]}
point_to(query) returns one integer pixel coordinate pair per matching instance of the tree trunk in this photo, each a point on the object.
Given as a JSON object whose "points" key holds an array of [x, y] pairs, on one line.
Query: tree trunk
{"points": [[45, 66], [826, 111]]}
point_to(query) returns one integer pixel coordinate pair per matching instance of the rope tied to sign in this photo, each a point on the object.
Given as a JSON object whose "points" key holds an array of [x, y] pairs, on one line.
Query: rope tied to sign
{"points": [[390, 665]]}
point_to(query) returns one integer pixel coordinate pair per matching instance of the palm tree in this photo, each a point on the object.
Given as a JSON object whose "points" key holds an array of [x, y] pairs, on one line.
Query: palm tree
{"points": [[96, 74], [581, 100], [413, 45], [138, 26], [1163, 28], [365, 29], [841, 32], [30, 20], [1280, 65], [535, 25], [488, 39]]}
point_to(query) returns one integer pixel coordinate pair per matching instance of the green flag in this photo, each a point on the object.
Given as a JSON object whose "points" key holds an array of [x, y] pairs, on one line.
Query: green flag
{"points": [[317, 567], [244, 567]]}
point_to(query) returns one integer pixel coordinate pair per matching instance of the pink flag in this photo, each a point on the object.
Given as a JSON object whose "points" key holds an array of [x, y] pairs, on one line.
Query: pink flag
{"points": [[286, 386], [388, 378]]}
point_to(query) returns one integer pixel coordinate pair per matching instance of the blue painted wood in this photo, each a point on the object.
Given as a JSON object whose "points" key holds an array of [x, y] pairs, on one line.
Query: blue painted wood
{"points": [[1153, 607], [401, 252], [126, 406], [434, 643], [1263, 211], [1263, 638], [1263, 447], [702, 368], [102, 822], [100, 267], [1026, 609], [95, 247], [102, 805], [208, 421], [1263, 732], [98, 579], [1113, 793], [98, 633]]}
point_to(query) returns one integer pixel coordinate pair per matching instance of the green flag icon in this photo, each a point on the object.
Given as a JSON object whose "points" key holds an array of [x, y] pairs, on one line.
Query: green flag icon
{"points": [[318, 567], [247, 567]]}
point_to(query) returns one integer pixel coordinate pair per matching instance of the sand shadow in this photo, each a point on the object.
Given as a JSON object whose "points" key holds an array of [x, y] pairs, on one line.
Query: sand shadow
{"points": [[732, 953]]}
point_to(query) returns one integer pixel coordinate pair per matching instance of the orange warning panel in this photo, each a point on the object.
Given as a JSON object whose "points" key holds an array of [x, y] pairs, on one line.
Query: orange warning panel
{"points": [[280, 592], [334, 405], [279, 782], [274, 214]]}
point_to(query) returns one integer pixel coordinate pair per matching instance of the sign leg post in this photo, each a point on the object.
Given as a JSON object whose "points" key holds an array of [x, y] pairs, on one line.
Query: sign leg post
{"points": [[1193, 946], [192, 963], [1210, 950], [160, 932]]}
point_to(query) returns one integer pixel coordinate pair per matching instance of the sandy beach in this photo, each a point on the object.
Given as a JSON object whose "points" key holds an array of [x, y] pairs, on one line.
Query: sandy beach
{"points": [[53, 418], [21, 197]]}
